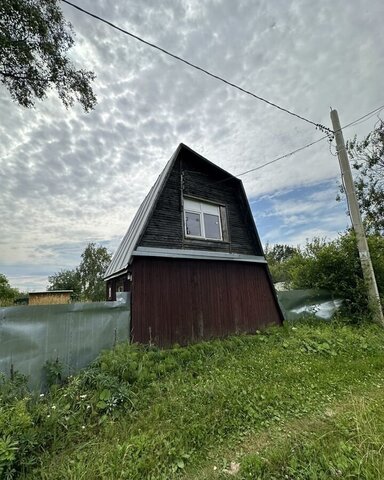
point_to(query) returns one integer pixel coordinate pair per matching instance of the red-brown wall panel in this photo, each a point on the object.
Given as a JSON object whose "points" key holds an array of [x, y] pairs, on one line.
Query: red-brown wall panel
{"points": [[182, 301]]}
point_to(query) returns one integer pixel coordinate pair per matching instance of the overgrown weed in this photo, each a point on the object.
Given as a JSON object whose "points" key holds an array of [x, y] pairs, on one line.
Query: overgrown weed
{"points": [[142, 412], [344, 444]]}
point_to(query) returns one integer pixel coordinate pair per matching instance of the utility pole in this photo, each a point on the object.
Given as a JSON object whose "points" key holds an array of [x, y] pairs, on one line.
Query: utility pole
{"points": [[353, 206]]}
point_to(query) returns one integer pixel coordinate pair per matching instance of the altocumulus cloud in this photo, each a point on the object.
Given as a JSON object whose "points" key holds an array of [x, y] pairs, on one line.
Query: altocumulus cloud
{"points": [[68, 178]]}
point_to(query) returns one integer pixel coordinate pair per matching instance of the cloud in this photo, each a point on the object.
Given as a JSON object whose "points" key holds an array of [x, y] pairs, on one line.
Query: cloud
{"points": [[68, 178], [294, 216]]}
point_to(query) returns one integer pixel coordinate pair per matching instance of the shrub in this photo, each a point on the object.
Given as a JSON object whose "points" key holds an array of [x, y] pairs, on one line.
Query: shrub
{"points": [[335, 266], [17, 434]]}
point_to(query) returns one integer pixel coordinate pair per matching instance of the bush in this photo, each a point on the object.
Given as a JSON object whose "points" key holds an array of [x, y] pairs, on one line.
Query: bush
{"points": [[141, 412], [17, 435], [335, 266]]}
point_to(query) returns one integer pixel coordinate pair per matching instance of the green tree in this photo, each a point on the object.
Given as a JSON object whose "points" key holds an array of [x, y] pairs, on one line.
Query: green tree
{"points": [[335, 266], [94, 261], [86, 280], [367, 158], [277, 257], [34, 41], [66, 280], [7, 294]]}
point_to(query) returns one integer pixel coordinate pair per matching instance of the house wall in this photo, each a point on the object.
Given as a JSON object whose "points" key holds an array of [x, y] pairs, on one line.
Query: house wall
{"points": [[193, 177], [182, 301], [117, 284], [164, 228], [49, 298]]}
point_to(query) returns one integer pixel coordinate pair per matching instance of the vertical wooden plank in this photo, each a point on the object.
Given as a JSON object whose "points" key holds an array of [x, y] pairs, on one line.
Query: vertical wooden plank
{"points": [[182, 301]]}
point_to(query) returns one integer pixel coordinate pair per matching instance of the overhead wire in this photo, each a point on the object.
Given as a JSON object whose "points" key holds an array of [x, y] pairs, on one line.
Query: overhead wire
{"points": [[330, 132], [358, 121], [289, 154], [281, 157], [193, 65], [369, 114]]}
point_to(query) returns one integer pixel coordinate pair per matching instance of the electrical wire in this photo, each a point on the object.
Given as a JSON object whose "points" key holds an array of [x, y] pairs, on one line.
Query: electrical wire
{"points": [[190, 64], [282, 157], [358, 120], [319, 126]]}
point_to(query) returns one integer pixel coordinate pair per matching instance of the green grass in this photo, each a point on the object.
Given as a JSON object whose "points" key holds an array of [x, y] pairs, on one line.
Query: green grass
{"points": [[259, 401], [347, 443]]}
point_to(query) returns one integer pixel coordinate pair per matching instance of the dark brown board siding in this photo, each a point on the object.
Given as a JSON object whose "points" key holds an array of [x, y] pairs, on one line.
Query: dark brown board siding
{"points": [[183, 301], [114, 284], [165, 226]]}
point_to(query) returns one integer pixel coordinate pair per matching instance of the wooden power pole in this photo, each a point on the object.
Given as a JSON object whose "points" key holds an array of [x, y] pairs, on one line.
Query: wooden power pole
{"points": [[353, 206]]}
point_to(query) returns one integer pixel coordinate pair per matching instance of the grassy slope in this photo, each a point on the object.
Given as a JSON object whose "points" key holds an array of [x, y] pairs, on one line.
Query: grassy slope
{"points": [[162, 415], [346, 440]]}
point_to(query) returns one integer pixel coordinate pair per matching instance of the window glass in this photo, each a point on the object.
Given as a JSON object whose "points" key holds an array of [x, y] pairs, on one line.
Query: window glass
{"points": [[212, 226], [192, 223], [202, 219]]}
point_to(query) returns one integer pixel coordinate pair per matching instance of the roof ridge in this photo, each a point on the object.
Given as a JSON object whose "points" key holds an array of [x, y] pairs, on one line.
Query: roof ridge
{"points": [[122, 257]]}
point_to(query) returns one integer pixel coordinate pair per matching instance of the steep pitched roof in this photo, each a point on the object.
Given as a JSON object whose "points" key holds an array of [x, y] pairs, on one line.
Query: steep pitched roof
{"points": [[124, 252]]}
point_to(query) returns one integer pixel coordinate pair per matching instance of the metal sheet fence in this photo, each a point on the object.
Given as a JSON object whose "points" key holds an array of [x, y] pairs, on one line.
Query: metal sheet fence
{"points": [[74, 334], [297, 304]]}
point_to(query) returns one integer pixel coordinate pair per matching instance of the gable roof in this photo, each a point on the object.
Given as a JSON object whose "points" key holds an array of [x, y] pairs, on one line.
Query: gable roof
{"points": [[126, 249]]}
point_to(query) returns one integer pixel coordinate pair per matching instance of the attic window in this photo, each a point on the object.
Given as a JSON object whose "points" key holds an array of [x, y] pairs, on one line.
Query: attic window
{"points": [[202, 220]]}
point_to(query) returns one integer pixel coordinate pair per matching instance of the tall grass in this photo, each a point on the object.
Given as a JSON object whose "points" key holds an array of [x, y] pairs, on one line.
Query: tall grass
{"points": [[142, 413], [346, 444]]}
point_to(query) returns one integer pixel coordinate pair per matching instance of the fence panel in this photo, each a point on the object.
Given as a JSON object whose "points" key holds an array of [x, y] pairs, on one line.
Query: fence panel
{"points": [[74, 334], [298, 303]]}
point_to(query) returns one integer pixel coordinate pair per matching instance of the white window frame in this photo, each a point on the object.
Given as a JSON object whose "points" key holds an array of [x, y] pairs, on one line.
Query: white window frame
{"points": [[200, 208]]}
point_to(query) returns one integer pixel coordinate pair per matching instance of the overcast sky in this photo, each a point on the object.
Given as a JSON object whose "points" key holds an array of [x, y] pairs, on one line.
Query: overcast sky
{"points": [[68, 178]]}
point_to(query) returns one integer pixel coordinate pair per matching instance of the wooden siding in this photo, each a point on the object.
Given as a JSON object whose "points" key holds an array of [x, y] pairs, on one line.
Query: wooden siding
{"points": [[164, 228], [114, 284], [183, 301], [191, 176], [49, 298]]}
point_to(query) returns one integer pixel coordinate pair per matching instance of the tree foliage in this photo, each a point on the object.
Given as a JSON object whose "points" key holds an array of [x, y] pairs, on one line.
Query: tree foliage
{"points": [[277, 256], [7, 294], [335, 266], [34, 41], [94, 262], [367, 156], [66, 280], [86, 280]]}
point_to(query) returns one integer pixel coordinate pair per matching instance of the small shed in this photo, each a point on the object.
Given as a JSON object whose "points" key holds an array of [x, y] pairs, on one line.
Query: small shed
{"points": [[51, 297], [192, 258]]}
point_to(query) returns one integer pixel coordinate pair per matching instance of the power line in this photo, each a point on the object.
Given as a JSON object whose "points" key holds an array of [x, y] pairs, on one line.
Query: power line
{"points": [[217, 77], [282, 157], [358, 120], [330, 133], [363, 117]]}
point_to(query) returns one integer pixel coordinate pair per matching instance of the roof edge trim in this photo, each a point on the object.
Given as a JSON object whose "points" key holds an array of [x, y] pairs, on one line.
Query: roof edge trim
{"points": [[196, 254]]}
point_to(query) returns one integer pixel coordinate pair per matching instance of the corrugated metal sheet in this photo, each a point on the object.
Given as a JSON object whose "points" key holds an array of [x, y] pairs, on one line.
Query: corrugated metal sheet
{"points": [[74, 334], [123, 255], [182, 301]]}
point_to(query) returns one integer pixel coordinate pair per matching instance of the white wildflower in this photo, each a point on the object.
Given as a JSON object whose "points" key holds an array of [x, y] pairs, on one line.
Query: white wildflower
{"points": [[233, 469]]}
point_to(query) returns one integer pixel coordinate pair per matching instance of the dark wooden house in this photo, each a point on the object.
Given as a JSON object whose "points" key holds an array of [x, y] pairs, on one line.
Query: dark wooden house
{"points": [[192, 258]]}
